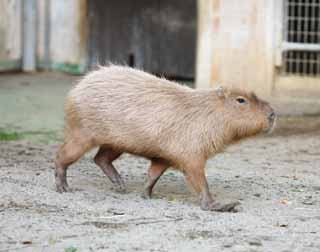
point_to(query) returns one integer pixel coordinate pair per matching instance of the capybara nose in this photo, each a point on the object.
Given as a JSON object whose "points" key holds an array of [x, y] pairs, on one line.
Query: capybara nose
{"points": [[271, 116]]}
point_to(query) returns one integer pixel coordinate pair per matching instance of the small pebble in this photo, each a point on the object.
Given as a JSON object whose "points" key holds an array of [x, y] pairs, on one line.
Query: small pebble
{"points": [[255, 242], [317, 188], [227, 245]]}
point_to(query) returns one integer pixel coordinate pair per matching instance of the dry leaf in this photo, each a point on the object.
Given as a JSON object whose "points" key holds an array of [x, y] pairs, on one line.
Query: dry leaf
{"points": [[284, 202]]}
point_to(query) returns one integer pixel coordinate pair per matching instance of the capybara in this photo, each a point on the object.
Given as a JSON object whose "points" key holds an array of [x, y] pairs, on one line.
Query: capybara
{"points": [[120, 109]]}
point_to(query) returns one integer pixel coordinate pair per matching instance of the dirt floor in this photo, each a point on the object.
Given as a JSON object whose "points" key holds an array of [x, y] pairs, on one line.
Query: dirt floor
{"points": [[275, 177]]}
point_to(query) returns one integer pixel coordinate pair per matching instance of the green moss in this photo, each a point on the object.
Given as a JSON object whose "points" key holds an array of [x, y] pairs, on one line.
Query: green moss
{"points": [[69, 67], [9, 136], [44, 137], [71, 249], [8, 65]]}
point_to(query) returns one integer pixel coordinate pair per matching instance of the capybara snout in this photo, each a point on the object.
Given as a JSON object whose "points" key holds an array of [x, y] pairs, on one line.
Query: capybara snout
{"points": [[247, 114], [125, 110]]}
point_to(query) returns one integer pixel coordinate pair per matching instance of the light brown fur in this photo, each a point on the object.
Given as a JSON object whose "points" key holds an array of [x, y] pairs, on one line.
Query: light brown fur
{"points": [[127, 110]]}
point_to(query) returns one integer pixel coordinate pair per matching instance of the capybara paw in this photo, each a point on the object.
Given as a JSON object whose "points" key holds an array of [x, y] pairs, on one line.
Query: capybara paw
{"points": [[146, 194], [62, 188], [220, 207]]}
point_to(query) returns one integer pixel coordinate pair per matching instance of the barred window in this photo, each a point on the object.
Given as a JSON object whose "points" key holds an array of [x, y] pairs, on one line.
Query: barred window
{"points": [[301, 50]]}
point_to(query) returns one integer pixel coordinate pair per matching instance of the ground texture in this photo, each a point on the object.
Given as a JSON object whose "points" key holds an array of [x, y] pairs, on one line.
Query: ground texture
{"points": [[276, 179]]}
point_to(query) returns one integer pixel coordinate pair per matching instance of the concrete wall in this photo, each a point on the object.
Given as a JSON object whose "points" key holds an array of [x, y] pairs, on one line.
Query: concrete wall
{"points": [[10, 34], [68, 35], [60, 34], [235, 44]]}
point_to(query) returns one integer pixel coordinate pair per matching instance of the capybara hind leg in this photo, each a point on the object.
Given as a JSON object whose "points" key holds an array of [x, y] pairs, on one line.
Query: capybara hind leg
{"points": [[157, 168], [67, 154], [104, 159], [197, 179]]}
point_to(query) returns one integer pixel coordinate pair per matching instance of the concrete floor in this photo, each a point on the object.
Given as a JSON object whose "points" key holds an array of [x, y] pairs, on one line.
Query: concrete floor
{"points": [[31, 105], [275, 178]]}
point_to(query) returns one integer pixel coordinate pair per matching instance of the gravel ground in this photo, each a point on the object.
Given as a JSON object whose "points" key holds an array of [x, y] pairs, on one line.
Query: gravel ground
{"points": [[276, 179]]}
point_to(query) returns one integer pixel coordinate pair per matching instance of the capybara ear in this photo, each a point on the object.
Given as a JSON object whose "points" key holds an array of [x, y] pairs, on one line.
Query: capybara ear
{"points": [[254, 97], [221, 91]]}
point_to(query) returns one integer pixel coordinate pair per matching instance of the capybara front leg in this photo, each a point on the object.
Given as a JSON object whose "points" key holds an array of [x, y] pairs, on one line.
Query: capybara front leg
{"points": [[157, 168], [197, 178], [104, 159]]}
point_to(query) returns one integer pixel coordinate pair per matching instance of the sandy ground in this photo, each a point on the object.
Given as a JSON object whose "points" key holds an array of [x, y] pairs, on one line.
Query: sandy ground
{"points": [[276, 179]]}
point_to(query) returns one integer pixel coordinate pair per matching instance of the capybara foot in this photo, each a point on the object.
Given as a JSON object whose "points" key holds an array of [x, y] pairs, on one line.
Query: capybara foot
{"points": [[61, 182], [63, 187], [146, 194], [220, 207]]}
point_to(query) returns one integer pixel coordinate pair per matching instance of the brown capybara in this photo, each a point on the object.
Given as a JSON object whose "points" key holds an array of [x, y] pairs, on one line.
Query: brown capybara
{"points": [[121, 109]]}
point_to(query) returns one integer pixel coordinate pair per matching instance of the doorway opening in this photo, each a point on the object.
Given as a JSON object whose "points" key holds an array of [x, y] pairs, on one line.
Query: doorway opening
{"points": [[158, 36]]}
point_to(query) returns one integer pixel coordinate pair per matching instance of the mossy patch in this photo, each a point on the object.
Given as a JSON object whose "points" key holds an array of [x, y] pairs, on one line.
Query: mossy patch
{"points": [[69, 67], [6, 136], [44, 137]]}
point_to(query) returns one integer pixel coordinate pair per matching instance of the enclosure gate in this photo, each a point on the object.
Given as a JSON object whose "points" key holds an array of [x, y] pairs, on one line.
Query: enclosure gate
{"points": [[298, 58]]}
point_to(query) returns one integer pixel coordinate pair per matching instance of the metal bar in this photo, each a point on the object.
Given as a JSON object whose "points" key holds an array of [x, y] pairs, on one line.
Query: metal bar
{"points": [[286, 21], [290, 46], [304, 28], [318, 65], [304, 61], [29, 36], [289, 55], [306, 15], [312, 22], [47, 34], [299, 26]]}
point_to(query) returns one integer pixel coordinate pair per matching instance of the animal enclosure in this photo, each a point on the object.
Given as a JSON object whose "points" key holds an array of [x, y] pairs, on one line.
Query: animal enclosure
{"points": [[269, 46]]}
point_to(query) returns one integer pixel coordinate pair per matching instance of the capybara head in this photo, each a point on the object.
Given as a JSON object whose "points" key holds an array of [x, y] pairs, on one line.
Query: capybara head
{"points": [[246, 114]]}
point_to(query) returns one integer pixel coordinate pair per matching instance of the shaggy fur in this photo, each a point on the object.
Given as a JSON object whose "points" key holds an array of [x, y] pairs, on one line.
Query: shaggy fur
{"points": [[128, 110]]}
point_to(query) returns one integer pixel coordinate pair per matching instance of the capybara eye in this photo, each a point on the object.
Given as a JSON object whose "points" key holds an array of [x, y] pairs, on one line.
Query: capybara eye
{"points": [[241, 100]]}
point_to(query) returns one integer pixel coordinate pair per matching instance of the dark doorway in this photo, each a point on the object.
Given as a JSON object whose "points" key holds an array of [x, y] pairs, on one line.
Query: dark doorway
{"points": [[158, 36]]}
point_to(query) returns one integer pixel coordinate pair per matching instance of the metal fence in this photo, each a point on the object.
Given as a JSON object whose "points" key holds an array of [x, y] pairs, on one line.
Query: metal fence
{"points": [[301, 34]]}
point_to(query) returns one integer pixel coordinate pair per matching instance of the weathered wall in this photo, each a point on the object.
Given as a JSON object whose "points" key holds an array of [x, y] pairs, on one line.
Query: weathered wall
{"points": [[204, 43], [43, 38], [60, 34], [68, 35], [235, 44], [10, 34]]}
